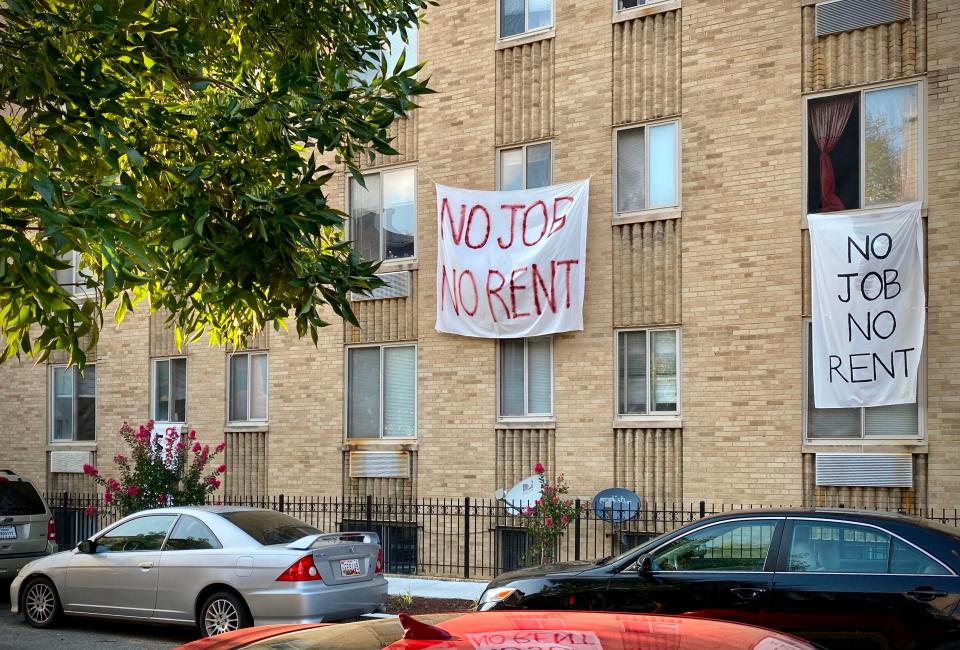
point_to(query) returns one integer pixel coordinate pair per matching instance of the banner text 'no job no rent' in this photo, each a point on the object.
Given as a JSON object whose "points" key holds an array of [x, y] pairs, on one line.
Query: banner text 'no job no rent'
{"points": [[511, 264], [868, 306]]}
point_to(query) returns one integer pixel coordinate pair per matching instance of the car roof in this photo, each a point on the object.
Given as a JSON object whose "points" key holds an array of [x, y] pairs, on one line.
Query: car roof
{"points": [[859, 514], [221, 509]]}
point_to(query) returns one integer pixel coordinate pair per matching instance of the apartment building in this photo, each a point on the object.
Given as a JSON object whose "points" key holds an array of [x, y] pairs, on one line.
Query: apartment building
{"points": [[702, 127]]}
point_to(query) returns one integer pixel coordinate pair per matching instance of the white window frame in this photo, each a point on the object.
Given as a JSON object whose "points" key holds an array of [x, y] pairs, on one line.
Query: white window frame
{"points": [[526, 19], [346, 392], [77, 286], [385, 263], [649, 415], [617, 9], [266, 407], [523, 147], [647, 209], [921, 437], [153, 388], [51, 402], [528, 417], [920, 83]]}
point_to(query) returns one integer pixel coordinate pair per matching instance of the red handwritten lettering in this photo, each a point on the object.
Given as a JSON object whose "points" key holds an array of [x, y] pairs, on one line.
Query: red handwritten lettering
{"points": [[486, 235], [514, 209], [455, 232], [569, 265], [467, 273], [452, 288], [549, 294], [514, 287], [543, 231], [559, 221], [496, 292]]}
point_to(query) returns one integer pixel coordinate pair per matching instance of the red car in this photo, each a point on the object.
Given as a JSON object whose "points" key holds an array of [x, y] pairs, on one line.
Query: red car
{"points": [[518, 630]]}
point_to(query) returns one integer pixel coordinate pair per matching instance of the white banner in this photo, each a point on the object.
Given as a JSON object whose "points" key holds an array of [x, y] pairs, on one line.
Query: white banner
{"points": [[868, 306], [511, 264]]}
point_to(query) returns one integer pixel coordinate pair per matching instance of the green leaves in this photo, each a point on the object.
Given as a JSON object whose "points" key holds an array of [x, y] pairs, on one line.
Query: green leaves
{"points": [[161, 145]]}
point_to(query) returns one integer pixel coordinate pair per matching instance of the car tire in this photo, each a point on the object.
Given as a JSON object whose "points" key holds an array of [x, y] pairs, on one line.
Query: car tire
{"points": [[223, 612], [40, 603]]}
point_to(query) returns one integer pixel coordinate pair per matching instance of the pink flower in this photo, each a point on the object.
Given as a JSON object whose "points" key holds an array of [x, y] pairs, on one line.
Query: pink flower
{"points": [[90, 470], [221, 469], [192, 435], [564, 520], [132, 490], [213, 481], [120, 459], [196, 448], [108, 497], [549, 522], [537, 502], [181, 446], [150, 424], [538, 469], [555, 499], [112, 485], [221, 447], [90, 511], [528, 511]]}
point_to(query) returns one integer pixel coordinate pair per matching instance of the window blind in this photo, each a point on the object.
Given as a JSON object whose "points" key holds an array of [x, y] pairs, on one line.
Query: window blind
{"points": [[511, 377], [238, 387], [539, 376], [630, 154], [399, 391], [363, 398], [259, 376]]}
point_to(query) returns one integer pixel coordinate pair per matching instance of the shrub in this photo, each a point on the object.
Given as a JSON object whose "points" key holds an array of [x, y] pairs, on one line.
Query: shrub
{"points": [[548, 518]]}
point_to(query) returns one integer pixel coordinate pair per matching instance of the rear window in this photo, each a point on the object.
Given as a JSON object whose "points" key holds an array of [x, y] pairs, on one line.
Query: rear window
{"points": [[20, 498], [269, 527]]}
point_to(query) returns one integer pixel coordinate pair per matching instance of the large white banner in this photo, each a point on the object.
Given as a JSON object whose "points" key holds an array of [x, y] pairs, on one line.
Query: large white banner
{"points": [[868, 306], [511, 264]]}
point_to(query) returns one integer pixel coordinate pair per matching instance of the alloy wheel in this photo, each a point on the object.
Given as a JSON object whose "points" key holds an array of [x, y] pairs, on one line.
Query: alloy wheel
{"points": [[221, 616], [40, 603]]}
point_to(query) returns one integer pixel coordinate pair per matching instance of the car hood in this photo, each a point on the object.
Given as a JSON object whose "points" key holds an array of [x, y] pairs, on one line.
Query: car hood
{"points": [[560, 568]]}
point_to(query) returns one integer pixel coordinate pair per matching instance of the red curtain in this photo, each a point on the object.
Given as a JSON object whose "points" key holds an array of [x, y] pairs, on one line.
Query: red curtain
{"points": [[827, 122]]}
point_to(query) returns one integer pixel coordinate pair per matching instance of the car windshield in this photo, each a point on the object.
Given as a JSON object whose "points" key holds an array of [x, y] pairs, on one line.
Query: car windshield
{"points": [[269, 527], [19, 498], [613, 559]]}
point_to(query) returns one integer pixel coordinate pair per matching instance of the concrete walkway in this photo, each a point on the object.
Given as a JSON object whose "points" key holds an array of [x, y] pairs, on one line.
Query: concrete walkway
{"points": [[435, 587]]}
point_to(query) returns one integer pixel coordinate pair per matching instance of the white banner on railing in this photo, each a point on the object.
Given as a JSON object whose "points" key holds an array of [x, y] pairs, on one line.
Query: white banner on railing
{"points": [[868, 306], [511, 264]]}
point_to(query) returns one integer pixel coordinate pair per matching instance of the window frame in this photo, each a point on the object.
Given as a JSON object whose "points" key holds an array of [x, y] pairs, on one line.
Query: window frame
{"points": [[176, 523], [77, 286], [678, 167], [416, 396], [861, 90], [526, 19], [51, 401], [397, 261], [617, 9], [920, 438], [123, 522], [649, 415], [527, 416], [266, 408], [186, 383], [523, 147]]}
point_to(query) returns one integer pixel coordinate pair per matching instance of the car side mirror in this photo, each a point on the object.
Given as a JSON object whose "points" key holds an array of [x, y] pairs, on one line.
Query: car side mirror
{"points": [[645, 565], [87, 546]]}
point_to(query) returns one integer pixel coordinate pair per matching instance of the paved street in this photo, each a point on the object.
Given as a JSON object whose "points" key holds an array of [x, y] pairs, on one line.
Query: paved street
{"points": [[85, 633]]}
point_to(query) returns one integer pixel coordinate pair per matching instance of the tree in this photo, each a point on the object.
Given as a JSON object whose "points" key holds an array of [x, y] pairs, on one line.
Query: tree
{"points": [[175, 148]]}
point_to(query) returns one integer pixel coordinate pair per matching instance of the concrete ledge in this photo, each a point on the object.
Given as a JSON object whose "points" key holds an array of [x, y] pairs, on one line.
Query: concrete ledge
{"points": [[435, 588]]}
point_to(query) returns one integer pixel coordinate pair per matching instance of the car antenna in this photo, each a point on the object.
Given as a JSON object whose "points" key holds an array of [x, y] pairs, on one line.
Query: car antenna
{"points": [[417, 630]]}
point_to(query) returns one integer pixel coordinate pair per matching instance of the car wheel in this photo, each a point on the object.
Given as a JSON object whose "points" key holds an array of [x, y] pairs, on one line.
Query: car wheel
{"points": [[40, 603], [223, 612]]}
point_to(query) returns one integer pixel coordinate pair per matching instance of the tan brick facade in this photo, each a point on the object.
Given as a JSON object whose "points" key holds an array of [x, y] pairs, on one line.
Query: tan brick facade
{"points": [[729, 267]]}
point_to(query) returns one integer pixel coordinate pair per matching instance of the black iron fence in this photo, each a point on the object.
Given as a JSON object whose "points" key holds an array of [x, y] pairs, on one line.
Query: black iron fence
{"points": [[469, 538]]}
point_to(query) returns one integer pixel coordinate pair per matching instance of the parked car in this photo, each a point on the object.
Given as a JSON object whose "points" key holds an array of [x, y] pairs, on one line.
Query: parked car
{"points": [[512, 631], [841, 578], [221, 568], [27, 530]]}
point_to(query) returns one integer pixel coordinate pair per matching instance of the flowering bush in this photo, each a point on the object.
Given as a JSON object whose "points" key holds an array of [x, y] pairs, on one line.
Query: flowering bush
{"points": [[547, 518], [174, 469]]}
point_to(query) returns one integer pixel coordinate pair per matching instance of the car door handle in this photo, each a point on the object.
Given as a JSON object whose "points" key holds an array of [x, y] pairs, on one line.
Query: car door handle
{"points": [[925, 594], [145, 565], [747, 593]]}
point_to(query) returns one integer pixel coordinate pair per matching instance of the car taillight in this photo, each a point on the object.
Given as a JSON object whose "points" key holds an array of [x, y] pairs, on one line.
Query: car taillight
{"points": [[379, 568], [51, 530], [301, 570]]}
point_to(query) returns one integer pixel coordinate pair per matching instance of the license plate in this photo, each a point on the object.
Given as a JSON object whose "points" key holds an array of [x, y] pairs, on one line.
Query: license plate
{"points": [[350, 568], [8, 532]]}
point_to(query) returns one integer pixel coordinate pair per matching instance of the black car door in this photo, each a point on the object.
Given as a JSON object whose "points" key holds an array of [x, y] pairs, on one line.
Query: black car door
{"points": [[854, 585], [720, 570]]}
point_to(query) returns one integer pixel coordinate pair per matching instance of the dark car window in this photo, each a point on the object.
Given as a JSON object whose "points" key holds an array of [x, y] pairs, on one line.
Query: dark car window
{"points": [[191, 534], [140, 534], [827, 547], [19, 498], [906, 559], [731, 546], [269, 527]]}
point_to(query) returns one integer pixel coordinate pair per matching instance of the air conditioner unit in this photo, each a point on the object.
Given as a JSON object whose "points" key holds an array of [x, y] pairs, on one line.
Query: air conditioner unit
{"points": [[838, 16], [379, 464], [865, 470], [69, 462], [396, 285]]}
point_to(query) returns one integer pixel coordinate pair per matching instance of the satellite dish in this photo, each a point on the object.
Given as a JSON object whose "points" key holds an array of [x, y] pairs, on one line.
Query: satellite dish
{"points": [[523, 495], [616, 505]]}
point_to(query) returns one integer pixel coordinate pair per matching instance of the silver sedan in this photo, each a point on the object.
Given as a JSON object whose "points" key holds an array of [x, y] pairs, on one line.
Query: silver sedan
{"points": [[219, 567]]}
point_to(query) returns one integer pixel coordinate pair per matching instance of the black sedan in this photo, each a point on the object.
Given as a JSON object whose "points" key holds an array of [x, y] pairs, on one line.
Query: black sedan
{"points": [[840, 578]]}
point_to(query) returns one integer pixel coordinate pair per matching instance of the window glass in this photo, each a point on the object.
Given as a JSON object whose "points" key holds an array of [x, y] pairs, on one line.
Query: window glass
{"points": [[664, 373], [662, 169], [538, 165], [511, 377], [399, 213], [734, 546], [363, 398], [890, 137], [511, 17], [87, 404], [140, 534], [633, 372], [268, 527], [178, 405], [365, 216], [908, 560], [511, 169], [826, 547], [399, 391], [63, 403], [191, 534], [19, 498], [833, 153], [538, 14], [161, 376], [259, 378], [238, 387], [539, 376], [630, 179], [397, 45]]}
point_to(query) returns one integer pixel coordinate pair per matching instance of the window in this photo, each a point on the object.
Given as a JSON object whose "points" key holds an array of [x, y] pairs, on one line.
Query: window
{"points": [[647, 167], [398, 541], [734, 546], [247, 401], [397, 44], [519, 16], [633, 4], [906, 559], [73, 403], [526, 377], [383, 215], [170, 390], [863, 149], [382, 392], [647, 378], [515, 544], [191, 534], [820, 546], [140, 534], [71, 279], [876, 422], [268, 527], [526, 167]]}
